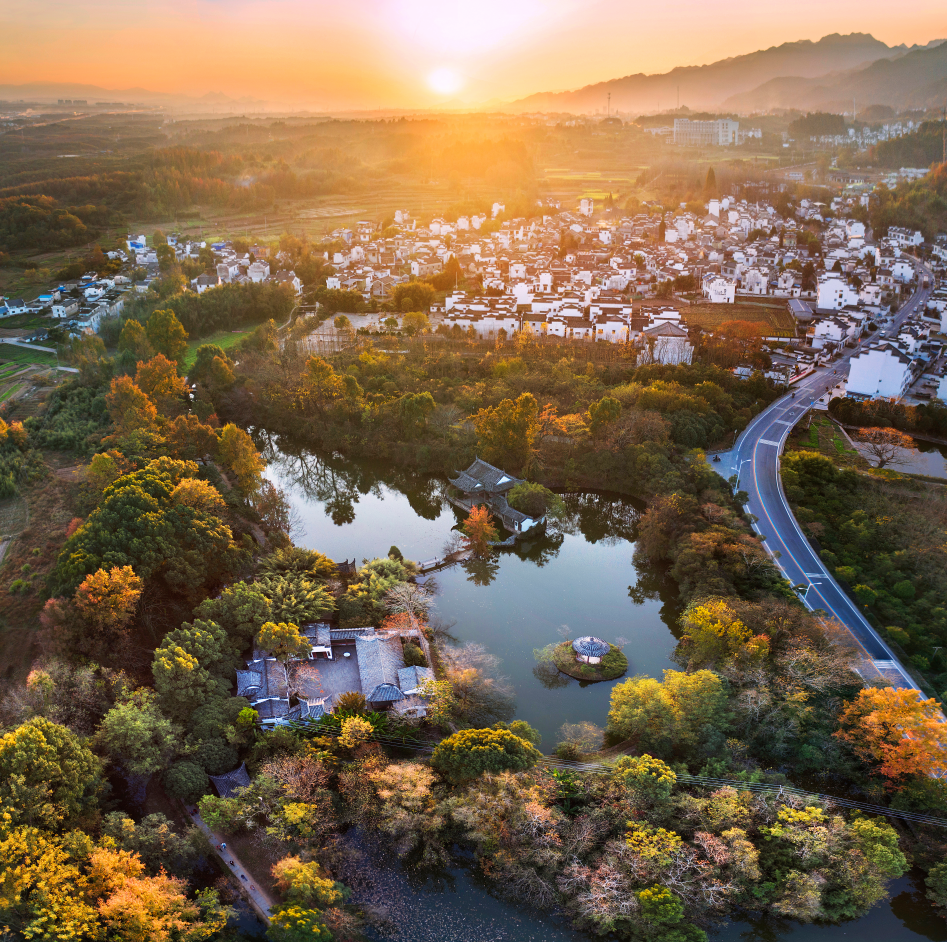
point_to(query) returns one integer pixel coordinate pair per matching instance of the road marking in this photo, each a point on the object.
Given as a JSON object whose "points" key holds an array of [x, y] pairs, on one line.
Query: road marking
{"points": [[764, 441], [784, 422]]}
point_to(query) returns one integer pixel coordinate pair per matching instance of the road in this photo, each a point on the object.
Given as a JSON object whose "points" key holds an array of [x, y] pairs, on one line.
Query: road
{"points": [[258, 897], [755, 460]]}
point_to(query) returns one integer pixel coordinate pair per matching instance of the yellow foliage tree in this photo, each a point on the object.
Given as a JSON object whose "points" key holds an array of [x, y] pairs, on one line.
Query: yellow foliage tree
{"points": [[236, 450]]}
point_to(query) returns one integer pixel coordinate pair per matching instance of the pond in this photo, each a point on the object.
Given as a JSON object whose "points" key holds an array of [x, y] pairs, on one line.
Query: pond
{"points": [[925, 458], [577, 580], [580, 579]]}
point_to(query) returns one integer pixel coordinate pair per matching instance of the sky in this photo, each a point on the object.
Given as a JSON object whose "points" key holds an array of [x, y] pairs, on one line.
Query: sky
{"points": [[367, 54]]}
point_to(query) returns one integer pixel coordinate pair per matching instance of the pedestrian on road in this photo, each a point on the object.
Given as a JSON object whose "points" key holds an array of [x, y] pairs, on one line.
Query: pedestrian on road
{"points": [[243, 876], [223, 846], [232, 864]]}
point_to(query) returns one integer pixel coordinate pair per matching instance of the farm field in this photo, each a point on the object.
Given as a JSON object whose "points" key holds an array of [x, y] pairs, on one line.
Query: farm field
{"points": [[11, 354], [775, 316]]}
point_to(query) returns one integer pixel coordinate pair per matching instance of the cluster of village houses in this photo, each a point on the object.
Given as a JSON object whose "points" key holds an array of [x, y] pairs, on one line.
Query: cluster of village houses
{"points": [[581, 273]]}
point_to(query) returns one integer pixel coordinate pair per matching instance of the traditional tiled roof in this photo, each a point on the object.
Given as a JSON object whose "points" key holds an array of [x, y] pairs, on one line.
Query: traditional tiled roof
{"points": [[319, 633], [228, 783], [411, 678], [487, 477], [350, 634], [379, 661], [590, 646], [249, 684]]}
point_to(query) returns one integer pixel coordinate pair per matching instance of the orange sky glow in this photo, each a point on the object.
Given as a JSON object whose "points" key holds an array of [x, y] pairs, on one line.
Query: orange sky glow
{"points": [[369, 54]]}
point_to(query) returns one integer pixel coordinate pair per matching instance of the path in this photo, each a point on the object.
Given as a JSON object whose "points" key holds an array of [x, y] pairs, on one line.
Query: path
{"points": [[260, 900], [755, 460]]}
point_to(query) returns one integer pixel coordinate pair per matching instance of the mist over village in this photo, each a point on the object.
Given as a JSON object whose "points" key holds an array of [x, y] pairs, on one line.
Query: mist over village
{"points": [[473, 473]]}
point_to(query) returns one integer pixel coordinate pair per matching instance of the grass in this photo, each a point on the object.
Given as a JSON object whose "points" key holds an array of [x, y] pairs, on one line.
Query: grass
{"points": [[613, 665], [10, 391], [225, 339], [13, 516], [11, 354]]}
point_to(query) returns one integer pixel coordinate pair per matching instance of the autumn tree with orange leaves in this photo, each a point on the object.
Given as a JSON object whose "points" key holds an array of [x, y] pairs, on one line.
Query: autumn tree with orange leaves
{"points": [[896, 731], [479, 531]]}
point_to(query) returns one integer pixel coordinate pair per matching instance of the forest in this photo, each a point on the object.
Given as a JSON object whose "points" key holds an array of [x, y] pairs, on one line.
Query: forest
{"points": [[178, 559]]}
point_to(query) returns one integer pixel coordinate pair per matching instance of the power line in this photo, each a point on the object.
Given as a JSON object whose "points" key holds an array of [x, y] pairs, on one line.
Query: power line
{"points": [[704, 781]]}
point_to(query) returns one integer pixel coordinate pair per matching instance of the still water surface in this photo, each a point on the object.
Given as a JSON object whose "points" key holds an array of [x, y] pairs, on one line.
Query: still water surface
{"points": [[580, 580]]}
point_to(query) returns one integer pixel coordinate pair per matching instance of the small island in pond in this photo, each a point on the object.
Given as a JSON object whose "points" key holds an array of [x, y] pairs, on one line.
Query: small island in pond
{"points": [[590, 659]]}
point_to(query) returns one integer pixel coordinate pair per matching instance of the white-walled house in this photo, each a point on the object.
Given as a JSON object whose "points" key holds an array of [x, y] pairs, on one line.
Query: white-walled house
{"points": [[880, 372], [66, 307], [720, 290], [835, 293], [259, 271], [665, 343]]}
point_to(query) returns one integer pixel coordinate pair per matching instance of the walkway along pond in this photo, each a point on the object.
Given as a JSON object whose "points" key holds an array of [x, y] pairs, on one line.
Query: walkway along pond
{"points": [[581, 580]]}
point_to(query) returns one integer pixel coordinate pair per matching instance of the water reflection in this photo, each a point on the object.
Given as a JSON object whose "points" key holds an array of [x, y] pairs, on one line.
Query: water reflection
{"points": [[580, 577]]}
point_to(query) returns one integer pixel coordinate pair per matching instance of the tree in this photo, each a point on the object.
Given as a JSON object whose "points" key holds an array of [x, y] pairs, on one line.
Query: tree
{"points": [[507, 432], [886, 445], [294, 923], [153, 840], [138, 735], [473, 752], [415, 322], [304, 883], [533, 499], [479, 531], [240, 610], [48, 779], [413, 296], [138, 524], [710, 185], [649, 778], [296, 598], [603, 412], [342, 323], [166, 335], [413, 410], [896, 731], [134, 341], [284, 642], [182, 682], [158, 379], [189, 439], [106, 600], [683, 716], [129, 408], [186, 780], [356, 730], [236, 450], [207, 370]]}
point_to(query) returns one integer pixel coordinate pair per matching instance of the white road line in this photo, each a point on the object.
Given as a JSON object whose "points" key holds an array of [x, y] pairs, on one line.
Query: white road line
{"points": [[765, 441]]}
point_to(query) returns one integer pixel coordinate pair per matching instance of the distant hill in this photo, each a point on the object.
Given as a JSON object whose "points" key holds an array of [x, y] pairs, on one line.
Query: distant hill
{"points": [[707, 86], [780, 74], [917, 79]]}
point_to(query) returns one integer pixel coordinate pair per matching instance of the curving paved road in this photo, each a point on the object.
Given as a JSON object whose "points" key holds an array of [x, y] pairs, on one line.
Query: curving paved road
{"points": [[755, 461]]}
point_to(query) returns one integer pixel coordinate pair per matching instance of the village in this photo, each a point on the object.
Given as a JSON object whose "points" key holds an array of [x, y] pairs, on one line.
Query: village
{"points": [[594, 274]]}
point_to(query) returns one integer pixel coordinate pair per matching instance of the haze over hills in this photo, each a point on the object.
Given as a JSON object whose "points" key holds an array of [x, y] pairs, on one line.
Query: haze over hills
{"points": [[53, 91], [915, 80], [801, 66]]}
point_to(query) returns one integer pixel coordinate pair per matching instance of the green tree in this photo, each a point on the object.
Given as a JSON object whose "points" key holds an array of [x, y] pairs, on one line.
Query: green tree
{"points": [[284, 642], [166, 335], [240, 610], [139, 524], [134, 341], [304, 883], [507, 432], [48, 778], [602, 413], [472, 752], [138, 736], [182, 682], [683, 716], [153, 839], [296, 598], [413, 296], [186, 780], [533, 499]]}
